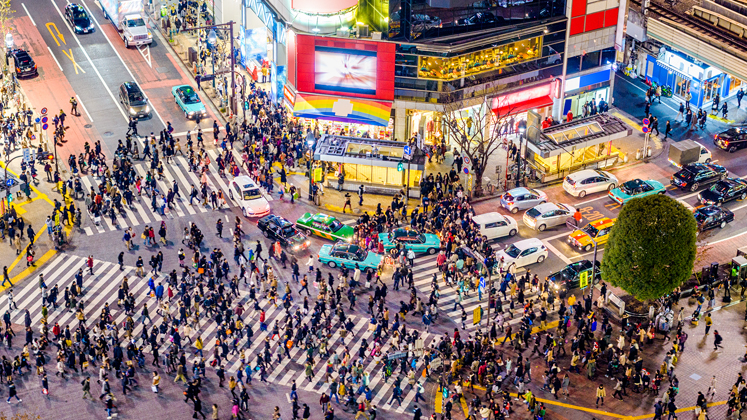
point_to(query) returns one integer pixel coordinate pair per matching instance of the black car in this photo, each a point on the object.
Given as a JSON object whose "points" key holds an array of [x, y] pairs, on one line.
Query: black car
{"points": [[731, 140], [78, 19], [25, 65], [693, 175], [569, 277], [477, 18], [710, 217], [723, 191], [134, 100], [278, 229]]}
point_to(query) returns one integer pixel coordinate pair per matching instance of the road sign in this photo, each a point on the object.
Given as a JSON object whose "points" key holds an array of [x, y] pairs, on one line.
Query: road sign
{"points": [[45, 126], [466, 160], [482, 282], [408, 150], [476, 315], [44, 111], [33, 137], [26, 155], [9, 182], [466, 171], [45, 120], [583, 279], [395, 356], [37, 120], [646, 121], [497, 169], [437, 363], [644, 129]]}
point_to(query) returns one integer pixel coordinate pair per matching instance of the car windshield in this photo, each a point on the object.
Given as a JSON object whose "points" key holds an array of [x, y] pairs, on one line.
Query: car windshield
{"points": [[513, 251], [79, 14], [591, 230], [23, 58], [361, 254], [335, 225], [533, 212], [134, 23], [288, 231], [629, 187], [568, 273], [700, 217], [252, 194], [137, 98], [685, 174], [189, 96], [720, 187]]}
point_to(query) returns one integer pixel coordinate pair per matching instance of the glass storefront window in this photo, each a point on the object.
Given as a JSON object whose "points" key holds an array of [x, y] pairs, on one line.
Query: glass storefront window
{"points": [[479, 62]]}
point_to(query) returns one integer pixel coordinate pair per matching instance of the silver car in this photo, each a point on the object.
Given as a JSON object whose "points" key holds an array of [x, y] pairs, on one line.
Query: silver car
{"points": [[522, 198], [548, 215], [134, 100]]}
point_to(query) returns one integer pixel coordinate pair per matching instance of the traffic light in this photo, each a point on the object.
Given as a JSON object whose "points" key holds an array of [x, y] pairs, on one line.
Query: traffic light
{"points": [[246, 104], [10, 197], [400, 167]]}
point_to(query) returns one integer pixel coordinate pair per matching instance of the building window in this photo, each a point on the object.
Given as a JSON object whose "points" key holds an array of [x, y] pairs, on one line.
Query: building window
{"points": [[452, 68]]}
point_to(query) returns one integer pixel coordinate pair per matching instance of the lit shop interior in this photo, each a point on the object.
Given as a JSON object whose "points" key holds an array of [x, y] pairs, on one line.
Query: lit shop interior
{"points": [[450, 68], [376, 163], [586, 143]]}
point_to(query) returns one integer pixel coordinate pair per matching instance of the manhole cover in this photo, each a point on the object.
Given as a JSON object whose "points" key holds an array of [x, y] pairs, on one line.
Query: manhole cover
{"points": [[108, 134], [162, 69], [88, 126]]}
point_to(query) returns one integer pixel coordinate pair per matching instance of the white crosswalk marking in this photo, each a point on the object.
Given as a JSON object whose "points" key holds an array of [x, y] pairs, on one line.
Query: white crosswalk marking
{"points": [[101, 289], [141, 212]]}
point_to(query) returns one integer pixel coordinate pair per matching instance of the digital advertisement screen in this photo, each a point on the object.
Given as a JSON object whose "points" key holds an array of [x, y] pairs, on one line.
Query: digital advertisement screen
{"points": [[344, 70]]}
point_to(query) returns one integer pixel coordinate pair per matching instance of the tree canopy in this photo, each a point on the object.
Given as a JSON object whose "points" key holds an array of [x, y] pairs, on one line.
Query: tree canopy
{"points": [[651, 249]]}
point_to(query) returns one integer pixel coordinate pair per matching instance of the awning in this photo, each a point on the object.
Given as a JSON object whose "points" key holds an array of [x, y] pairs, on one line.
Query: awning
{"points": [[540, 102], [349, 110]]}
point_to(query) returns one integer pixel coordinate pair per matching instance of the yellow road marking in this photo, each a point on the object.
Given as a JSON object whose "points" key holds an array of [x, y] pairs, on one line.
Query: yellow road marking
{"points": [[464, 406], [20, 276], [51, 25], [438, 401], [23, 254], [69, 54]]}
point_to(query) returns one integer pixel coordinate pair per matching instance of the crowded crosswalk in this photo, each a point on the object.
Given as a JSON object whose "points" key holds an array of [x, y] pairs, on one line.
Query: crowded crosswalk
{"points": [[101, 288], [423, 270], [142, 213]]}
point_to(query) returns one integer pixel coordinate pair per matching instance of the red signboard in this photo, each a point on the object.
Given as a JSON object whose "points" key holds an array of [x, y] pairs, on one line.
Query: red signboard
{"points": [[333, 66]]}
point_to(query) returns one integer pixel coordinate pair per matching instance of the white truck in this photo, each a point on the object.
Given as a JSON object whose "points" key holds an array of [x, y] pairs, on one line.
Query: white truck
{"points": [[129, 19], [688, 151]]}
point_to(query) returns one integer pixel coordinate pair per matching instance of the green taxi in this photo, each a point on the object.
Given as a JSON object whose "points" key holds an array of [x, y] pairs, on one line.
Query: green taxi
{"points": [[410, 239], [327, 227], [343, 254]]}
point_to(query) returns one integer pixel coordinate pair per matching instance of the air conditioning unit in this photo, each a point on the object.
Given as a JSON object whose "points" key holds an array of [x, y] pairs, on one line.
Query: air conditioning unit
{"points": [[363, 31], [376, 36]]}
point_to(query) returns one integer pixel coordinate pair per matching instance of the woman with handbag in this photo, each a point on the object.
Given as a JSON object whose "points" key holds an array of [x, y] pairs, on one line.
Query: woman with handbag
{"points": [[155, 382]]}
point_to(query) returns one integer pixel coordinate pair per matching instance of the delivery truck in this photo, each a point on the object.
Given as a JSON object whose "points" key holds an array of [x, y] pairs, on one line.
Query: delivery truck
{"points": [[688, 151], [129, 19]]}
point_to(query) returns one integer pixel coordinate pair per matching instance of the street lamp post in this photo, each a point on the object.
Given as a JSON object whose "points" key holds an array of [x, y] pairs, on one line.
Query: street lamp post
{"points": [[211, 39], [212, 28], [593, 267], [520, 158]]}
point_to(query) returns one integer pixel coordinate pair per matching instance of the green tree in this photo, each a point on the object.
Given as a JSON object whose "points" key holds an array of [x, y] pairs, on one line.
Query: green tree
{"points": [[651, 249]]}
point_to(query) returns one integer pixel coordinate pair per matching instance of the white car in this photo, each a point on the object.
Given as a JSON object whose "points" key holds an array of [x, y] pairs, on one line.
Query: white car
{"points": [[521, 253], [247, 193], [580, 183], [547, 215], [495, 225]]}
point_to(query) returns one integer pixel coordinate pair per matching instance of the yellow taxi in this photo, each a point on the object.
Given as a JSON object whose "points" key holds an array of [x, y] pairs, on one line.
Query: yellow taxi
{"points": [[599, 230]]}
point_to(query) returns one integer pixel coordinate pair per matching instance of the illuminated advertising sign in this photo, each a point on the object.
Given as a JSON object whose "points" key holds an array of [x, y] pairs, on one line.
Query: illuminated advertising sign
{"points": [[351, 68], [342, 70]]}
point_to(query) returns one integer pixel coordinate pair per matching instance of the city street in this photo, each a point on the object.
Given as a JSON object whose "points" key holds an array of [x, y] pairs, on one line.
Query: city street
{"points": [[302, 346]]}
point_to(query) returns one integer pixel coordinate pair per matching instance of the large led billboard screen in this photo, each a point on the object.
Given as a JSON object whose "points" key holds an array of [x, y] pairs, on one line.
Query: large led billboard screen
{"points": [[343, 70], [352, 68]]}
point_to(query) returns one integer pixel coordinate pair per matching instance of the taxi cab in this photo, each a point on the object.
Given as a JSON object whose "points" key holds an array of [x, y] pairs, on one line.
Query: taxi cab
{"points": [[599, 230]]}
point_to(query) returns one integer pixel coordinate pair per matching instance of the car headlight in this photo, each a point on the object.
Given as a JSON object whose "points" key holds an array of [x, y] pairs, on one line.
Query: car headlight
{"points": [[556, 286], [147, 108], [150, 35], [129, 37], [191, 113], [296, 247], [78, 28], [307, 243], [132, 110]]}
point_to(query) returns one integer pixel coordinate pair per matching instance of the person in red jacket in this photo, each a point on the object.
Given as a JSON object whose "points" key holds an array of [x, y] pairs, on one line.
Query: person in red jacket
{"points": [[569, 117]]}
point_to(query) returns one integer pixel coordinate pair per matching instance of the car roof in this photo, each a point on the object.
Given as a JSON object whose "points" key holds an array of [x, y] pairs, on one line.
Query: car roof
{"points": [[546, 207], [709, 210], [322, 218], [244, 182], [586, 173], [132, 87], [519, 191], [528, 243], [603, 222], [488, 217], [75, 6]]}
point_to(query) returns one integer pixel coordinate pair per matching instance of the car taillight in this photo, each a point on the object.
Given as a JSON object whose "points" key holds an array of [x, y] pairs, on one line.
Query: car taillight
{"points": [[18, 70]]}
